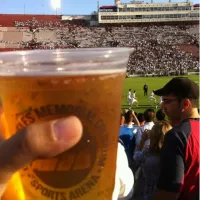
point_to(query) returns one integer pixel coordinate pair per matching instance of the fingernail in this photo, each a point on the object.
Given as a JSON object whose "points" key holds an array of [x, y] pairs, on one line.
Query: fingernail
{"points": [[60, 129]]}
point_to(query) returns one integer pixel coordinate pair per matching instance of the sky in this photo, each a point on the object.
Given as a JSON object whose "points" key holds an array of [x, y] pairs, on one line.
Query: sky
{"points": [[68, 7]]}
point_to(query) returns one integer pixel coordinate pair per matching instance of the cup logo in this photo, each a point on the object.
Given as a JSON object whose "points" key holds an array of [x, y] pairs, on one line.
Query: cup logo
{"points": [[75, 172], [69, 168]]}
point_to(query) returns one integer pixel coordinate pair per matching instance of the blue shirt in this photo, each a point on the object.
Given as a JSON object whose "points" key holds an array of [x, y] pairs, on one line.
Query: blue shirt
{"points": [[127, 135]]}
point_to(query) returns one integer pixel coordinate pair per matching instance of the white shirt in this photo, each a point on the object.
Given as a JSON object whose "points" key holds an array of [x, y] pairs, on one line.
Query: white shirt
{"points": [[124, 179], [133, 96], [129, 95], [152, 94], [148, 126]]}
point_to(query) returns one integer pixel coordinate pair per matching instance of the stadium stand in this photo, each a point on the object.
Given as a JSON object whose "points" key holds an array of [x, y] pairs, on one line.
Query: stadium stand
{"points": [[8, 20], [159, 50]]}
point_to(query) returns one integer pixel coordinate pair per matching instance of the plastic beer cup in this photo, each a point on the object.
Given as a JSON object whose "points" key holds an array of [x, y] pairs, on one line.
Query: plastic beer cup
{"points": [[45, 85]]}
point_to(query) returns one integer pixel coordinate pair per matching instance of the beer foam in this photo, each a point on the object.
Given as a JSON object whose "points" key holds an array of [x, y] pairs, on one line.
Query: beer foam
{"points": [[107, 76], [74, 73]]}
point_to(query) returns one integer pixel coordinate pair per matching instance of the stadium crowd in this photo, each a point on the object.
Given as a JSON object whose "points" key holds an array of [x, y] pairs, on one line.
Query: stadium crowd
{"points": [[39, 24], [162, 146], [157, 48]]}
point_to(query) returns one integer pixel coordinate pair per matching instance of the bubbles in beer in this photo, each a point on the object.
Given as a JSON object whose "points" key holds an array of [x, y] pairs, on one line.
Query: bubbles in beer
{"points": [[107, 76], [67, 81], [80, 80], [54, 82]]}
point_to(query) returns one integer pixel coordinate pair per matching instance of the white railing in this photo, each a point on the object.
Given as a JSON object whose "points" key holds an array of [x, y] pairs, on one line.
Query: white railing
{"points": [[149, 20], [193, 73], [149, 12]]}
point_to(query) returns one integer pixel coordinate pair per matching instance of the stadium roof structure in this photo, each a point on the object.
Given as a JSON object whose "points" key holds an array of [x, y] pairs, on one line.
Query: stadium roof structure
{"points": [[75, 17], [107, 7]]}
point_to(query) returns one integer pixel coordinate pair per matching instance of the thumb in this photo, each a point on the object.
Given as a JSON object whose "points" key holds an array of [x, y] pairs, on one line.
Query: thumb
{"points": [[40, 140]]}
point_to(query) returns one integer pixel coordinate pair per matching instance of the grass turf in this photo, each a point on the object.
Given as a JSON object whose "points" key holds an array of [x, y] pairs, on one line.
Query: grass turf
{"points": [[137, 84]]}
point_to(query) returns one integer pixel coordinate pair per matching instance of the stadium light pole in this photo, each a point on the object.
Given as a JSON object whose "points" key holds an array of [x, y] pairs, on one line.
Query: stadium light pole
{"points": [[43, 8], [56, 4], [24, 9]]}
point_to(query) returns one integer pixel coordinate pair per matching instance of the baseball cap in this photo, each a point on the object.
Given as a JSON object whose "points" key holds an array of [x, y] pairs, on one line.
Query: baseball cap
{"points": [[180, 86]]}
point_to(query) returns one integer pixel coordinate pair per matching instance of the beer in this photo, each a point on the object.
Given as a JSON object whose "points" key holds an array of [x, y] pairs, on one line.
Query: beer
{"points": [[87, 171]]}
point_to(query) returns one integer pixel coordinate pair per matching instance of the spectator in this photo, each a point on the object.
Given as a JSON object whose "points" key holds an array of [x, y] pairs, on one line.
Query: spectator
{"points": [[127, 133], [179, 177], [124, 179], [149, 116], [149, 161], [160, 115], [141, 119], [122, 119]]}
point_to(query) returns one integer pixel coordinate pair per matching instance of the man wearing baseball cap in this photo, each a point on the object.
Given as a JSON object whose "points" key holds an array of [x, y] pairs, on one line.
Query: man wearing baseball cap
{"points": [[179, 177]]}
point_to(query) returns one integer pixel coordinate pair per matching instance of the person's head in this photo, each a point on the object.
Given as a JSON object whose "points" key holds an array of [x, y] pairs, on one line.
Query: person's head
{"points": [[157, 134], [160, 115], [180, 99], [128, 117], [122, 119], [140, 118], [129, 90], [134, 91], [125, 111], [149, 115]]}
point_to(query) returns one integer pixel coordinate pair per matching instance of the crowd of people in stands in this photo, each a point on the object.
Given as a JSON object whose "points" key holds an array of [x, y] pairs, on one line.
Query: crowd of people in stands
{"points": [[159, 145], [39, 24], [161, 60], [157, 48]]}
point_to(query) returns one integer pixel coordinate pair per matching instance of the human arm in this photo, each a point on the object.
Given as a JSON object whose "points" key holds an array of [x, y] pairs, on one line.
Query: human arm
{"points": [[135, 119], [124, 179], [36, 141], [144, 138]]}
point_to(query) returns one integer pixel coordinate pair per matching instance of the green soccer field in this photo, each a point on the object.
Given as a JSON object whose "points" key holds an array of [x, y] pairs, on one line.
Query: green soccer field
{"points": [[137, 84]]}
